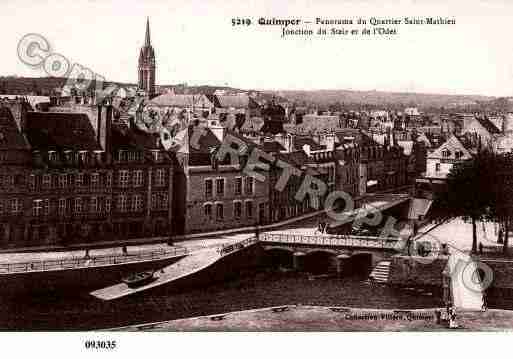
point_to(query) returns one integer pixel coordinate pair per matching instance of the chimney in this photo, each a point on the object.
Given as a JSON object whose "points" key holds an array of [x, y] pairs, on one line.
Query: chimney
{"points": [[329, 141], [289, 142], [104, 129]]}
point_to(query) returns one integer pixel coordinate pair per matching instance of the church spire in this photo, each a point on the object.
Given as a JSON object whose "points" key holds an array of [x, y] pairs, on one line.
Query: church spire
{"points": [[147, 41]]}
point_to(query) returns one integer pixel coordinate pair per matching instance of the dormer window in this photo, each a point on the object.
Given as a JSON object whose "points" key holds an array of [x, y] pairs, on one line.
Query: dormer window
{"points": [[446, 153], [157, 155], [122, 155], [82, 155], [52, 156], [67, 155]]}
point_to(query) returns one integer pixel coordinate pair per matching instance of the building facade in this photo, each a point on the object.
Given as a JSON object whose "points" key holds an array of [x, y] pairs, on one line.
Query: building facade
{"points": [[65, 180]]}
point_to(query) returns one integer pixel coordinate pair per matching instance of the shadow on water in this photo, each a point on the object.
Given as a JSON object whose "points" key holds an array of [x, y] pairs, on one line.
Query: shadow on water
{"points": [[246, 290]]}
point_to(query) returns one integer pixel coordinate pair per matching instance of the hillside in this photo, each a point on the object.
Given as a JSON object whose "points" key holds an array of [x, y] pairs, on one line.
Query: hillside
{"points": [[381, 98], [319, 98]]}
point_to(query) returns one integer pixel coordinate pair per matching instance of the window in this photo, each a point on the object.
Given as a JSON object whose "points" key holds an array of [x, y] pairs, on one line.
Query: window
{"points": [[238, 185], [122, 155], [93, 204], [62, 181], [83, 157], [446, 153], [62, 207], [164, 200], [108, 179], [160, 177], [9, 180], [95, 180], [78, 205], [47, 181], [124, 178], [159, 201], [138, 178], [458, 154], [107, 206], [46, 207], [208, 210], [250, 185], [249, 209], [121, 203], [37, 207], [237, 209], [437, 167], [79, 180], [220, 186], [16, 206], [157, 156], [32, 182], [219, 212], [208, 188], [137, 203], [52, 156]]}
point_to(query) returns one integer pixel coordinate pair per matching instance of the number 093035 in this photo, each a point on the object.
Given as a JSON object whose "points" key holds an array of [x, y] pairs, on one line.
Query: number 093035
{"points": [[100, 344]]}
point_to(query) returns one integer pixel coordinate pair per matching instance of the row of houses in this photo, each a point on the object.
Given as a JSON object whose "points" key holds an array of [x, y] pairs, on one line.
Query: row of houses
{"points": [[80, 175]]}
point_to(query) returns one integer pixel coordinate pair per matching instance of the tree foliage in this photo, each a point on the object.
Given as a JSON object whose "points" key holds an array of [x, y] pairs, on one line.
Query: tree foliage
{"points": [[480, 190]]}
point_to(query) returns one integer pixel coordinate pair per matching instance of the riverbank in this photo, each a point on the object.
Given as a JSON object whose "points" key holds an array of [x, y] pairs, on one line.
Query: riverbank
{"points": [[320, 318]]}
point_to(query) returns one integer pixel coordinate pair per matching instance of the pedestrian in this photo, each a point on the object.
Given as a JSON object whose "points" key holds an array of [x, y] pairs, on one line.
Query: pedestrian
{"points": [[484, 307], [452, 319]]}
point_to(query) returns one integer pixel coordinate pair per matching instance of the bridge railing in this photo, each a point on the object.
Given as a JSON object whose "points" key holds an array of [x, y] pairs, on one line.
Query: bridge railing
{"points": [[230, 248], [331, 240], [84, 262]]}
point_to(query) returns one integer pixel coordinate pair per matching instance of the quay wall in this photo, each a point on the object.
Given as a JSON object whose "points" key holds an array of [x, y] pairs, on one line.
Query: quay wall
{"points": [[230, 266], [79, 279], [409, 271]]}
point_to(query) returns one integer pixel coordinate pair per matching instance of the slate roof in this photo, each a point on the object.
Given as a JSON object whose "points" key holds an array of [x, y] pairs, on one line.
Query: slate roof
{"points": [[60, 130], [253, 124], [174, 100], [235, 101], [128, 138], [488, 125], [11, 137]]}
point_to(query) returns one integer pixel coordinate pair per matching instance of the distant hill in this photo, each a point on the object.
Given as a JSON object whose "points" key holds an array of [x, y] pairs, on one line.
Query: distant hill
{"points": [[383, 99], [321, 98], [36, 85]]}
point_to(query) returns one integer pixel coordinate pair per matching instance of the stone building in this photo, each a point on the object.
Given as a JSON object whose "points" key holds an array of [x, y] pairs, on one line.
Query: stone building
{"points": [[212, 195], [69, 178]]}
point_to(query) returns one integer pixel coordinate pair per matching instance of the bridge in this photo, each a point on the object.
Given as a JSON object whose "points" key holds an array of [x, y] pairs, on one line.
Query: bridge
{"points": [[322, 253]]}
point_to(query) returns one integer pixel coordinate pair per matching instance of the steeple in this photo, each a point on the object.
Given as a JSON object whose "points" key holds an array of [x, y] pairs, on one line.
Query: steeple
{"points": [[147, 65], [147, 42]]}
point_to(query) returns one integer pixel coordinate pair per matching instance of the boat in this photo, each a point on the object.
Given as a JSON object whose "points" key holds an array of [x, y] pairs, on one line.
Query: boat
{"points": [[139, 279]]}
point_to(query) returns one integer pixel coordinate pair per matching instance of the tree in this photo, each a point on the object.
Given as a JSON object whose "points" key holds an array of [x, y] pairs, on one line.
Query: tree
{"points": [[469, 192], [501, 187]]}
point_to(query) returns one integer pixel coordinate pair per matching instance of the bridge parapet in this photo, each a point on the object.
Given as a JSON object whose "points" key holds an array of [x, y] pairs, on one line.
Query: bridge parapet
{"points": [[332, 240]]}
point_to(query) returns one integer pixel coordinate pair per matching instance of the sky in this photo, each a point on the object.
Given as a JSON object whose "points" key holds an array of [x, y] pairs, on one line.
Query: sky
{"points": [[195, 42]]}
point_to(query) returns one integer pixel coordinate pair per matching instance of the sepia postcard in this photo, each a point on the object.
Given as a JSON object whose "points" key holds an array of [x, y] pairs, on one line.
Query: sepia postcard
{"points": [[246, 166]]}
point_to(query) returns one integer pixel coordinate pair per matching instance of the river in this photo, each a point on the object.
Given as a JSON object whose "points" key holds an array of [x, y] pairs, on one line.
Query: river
{"points": [[251, 290]]}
